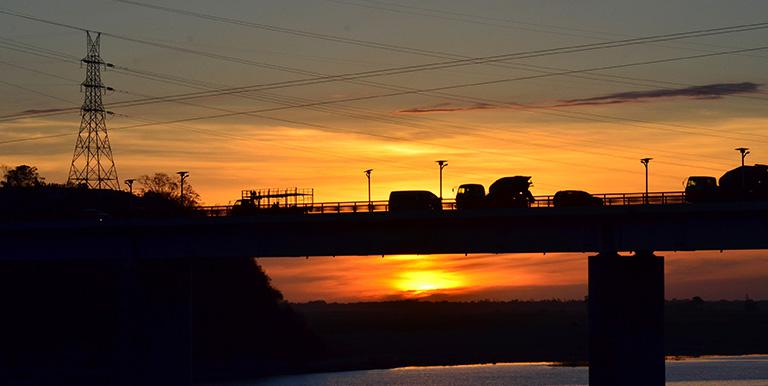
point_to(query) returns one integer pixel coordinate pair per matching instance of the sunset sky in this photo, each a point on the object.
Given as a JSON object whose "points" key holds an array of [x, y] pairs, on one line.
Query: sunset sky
{"points": [[685, 102]]}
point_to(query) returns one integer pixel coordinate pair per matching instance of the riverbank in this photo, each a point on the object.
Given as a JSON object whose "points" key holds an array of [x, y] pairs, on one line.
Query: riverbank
{"points": [[380, 335]]}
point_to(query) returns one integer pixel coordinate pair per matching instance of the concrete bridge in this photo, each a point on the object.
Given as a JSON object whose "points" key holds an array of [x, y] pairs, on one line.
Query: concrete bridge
{"points": [[679, 227], [626, 292]]}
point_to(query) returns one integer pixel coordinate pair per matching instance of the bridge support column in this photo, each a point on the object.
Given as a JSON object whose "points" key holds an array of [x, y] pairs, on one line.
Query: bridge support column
{"points": [[626, 319]]}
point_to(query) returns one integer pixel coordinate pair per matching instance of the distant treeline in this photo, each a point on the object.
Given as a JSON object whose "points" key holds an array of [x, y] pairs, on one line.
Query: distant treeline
{"points": [[407, 333]]}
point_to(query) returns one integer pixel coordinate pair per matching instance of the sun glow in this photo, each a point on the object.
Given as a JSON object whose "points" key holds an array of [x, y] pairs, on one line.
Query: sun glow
{"points": [[424, 281]]}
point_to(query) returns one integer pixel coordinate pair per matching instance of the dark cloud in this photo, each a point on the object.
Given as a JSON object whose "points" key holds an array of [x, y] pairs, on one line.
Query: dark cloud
{"points": [[709, 91], [448, 108], [704, 92], [503, 293], [482, 264], [42, 111]]}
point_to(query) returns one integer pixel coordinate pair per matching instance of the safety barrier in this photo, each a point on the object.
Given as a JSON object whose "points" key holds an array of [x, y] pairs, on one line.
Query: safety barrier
{"points": [[608, 199]]}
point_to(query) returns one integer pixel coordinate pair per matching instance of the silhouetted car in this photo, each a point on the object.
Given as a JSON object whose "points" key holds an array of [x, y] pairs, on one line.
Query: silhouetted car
{"points": [[745, 183], [565, 198], [470, 196], [414, 200], [510, 192], [701, 189]]}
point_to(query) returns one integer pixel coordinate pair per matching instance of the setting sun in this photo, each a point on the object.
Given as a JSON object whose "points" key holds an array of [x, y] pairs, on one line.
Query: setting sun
{"points": [[423, 281]]}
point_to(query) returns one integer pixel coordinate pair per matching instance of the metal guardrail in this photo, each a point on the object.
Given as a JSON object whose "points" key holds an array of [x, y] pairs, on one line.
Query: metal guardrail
{"points": [[609, 199]]}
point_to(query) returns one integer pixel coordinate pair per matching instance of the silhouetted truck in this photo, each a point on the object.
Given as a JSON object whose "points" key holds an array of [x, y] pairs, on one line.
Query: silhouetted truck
{"points": [[414, 201], [741, 183], [510, 192], [745, 183], [470, 196]]}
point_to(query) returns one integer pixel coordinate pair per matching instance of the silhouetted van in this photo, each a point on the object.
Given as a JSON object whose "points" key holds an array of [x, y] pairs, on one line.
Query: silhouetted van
{"points": [[701, 189], [510, 192], [565, 198], [414, 200], [745, 183], [470, 196]]}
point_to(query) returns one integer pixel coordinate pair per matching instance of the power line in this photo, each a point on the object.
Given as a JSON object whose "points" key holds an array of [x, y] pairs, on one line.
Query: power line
{"points": [[290, 101], [459, 62], [389, 137], [433, 89], [27, 89], [489, 21], [309, 105], [296, 106], [408, 90], [200, 94], [290, 31], [182, 81], [186, 82], [359, 42]]}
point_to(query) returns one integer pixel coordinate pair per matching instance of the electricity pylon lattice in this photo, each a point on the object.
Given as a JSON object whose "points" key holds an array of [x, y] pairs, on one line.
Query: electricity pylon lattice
{"points": [[92, 162]]}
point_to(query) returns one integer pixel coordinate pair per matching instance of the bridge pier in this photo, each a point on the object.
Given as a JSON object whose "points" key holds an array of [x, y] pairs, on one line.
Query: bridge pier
{"points": [[626, 319]]}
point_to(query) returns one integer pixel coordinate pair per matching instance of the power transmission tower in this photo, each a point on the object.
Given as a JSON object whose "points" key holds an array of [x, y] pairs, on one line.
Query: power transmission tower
{"points": [[92, 162]]}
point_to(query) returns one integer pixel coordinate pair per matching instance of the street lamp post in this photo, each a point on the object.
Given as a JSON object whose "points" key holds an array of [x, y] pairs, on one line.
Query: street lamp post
{"points": [[442, 164], [744, 151], [182, 176], [129, 182], [368, 176], [645, 162]]}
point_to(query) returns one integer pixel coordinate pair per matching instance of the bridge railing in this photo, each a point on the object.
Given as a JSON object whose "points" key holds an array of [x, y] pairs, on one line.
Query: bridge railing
{"points": [[623, 199], [449, 204], [349, 207]]}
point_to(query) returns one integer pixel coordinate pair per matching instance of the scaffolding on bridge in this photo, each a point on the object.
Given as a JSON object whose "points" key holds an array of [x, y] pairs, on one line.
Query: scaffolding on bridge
{"points": [[279, 198]]}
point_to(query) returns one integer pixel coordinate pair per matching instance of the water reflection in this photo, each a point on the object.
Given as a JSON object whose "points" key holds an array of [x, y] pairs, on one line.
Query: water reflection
{"points": [[750, 370]]}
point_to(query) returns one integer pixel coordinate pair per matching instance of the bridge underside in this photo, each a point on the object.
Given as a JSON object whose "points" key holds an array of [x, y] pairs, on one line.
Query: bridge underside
{"points": [[606, 229]]}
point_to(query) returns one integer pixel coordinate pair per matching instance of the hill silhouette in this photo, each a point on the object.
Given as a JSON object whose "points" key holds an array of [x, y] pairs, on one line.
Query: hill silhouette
{"points": [[182, 321]]}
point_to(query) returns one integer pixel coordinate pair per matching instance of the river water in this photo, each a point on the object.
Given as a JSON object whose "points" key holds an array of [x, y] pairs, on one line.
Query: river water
{"points": [[750, 370]]}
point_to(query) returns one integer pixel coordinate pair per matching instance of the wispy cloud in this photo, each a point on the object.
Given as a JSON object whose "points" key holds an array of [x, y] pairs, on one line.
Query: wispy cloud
{"points": [[709, 91], [448, 108], [43, 111]]}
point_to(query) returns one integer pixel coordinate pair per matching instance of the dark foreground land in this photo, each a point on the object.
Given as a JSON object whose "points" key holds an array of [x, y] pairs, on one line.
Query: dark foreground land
{"points": [[407, 333], [182, 321]]}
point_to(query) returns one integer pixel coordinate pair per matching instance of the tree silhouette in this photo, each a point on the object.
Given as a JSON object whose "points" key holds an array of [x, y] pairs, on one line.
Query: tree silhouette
{"points": [[161, 186], [22, 176]]}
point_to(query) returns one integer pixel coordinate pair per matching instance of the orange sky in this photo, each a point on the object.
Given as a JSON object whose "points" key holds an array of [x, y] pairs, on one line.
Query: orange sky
{"points": [[710, 275], [586, 130]]}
